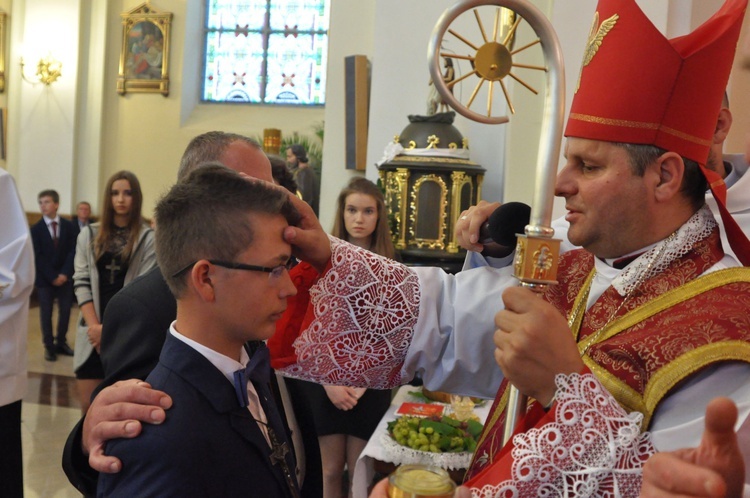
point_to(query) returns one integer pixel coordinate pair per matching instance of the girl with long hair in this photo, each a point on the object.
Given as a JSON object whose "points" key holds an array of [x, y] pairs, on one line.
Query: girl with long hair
{"points": [[361, 218], [109, 254]]}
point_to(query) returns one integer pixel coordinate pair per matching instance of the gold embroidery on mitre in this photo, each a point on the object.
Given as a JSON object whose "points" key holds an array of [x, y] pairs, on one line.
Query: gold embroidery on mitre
{"points": [[613, 122], [639, 124], [596, 35], [685, 136]]}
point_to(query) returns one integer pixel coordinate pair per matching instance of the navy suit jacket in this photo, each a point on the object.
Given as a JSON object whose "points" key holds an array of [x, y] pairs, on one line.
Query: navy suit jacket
{"points": [[52, 261], [135, 328], [208, 445]]}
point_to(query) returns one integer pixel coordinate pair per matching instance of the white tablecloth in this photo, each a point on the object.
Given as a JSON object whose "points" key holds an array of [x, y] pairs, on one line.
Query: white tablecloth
{"points": [[363, 471]]}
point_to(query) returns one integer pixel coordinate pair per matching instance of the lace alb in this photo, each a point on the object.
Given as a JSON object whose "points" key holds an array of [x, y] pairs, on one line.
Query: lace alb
{"points": [[698, 227], [592, 449], [365, 309]]}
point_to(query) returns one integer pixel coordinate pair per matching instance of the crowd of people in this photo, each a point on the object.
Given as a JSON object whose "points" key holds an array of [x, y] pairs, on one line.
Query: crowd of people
{"points": [[621, 360], [83, 258]]}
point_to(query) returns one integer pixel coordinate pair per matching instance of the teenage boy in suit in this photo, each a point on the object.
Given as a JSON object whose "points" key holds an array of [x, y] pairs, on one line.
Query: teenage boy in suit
{"points": [[54, 240], [136, 324], [220, 246]]}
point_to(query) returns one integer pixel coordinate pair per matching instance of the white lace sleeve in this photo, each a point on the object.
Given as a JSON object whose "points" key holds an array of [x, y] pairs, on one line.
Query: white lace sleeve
{"points": [[378, 323], [365, 310], [593, 448]]}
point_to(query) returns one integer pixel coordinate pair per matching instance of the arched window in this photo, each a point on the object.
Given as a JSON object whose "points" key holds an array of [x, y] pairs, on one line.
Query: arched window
{"points": [[266, 51]]}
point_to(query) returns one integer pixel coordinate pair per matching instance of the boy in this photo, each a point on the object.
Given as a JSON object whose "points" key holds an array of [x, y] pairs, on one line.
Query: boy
{"points": [[219, 244], [54, 240]]}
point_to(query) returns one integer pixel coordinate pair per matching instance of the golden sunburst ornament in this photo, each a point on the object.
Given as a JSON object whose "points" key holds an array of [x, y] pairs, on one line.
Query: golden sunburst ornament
{"points": [[493, 59]]}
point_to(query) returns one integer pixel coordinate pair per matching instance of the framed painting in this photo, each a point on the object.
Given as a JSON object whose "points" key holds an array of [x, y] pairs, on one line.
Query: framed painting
{"points": [[3, 17], [3, 127], [144, 59]]}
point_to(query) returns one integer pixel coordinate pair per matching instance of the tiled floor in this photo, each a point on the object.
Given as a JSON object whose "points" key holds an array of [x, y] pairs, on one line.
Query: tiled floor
{"points": [[49, 411]]}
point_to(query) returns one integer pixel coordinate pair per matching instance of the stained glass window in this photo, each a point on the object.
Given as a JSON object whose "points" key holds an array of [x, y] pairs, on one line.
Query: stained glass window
{"points": [[266, 51]]}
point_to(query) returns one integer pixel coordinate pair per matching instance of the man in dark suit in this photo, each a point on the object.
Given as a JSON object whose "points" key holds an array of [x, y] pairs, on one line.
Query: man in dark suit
{"points": [[54, 240], [135, 329], [83, 215], [224, 435], [306, 178], [135, 326]]}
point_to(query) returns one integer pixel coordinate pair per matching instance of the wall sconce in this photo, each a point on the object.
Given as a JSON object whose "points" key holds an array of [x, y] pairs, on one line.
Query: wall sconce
{"points": [[47, 71]]}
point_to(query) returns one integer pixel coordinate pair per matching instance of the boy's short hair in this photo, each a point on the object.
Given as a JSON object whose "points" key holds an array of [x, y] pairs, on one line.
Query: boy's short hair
{"points": [[205, 216], [49, 193]]}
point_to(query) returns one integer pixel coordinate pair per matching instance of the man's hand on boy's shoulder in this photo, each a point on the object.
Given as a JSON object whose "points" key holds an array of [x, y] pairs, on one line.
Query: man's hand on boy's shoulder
{"points": [[117, 412]]}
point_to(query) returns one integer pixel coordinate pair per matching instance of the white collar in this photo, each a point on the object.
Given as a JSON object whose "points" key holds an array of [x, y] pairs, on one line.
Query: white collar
{"points": [[656, 259], [224, 364]]}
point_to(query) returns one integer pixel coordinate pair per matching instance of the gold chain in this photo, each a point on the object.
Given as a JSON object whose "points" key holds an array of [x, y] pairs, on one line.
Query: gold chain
{"points": [[641, 278]]}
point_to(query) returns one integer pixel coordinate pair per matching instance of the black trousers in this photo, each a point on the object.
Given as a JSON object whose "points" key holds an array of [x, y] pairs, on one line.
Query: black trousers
{"points": [[47, 296], [11, 461]]}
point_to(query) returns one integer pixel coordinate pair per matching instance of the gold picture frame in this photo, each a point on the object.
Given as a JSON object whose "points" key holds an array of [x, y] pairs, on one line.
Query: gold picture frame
{"points": [[3, 18], [144, 59]]}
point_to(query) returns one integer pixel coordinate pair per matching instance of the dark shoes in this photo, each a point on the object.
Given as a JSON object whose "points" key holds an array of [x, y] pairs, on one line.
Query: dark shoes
{"points": [[49, 354], [64, 349]]}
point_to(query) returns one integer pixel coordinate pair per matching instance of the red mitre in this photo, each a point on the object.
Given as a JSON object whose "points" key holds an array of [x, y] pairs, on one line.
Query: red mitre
{"points": [[636, 86]]}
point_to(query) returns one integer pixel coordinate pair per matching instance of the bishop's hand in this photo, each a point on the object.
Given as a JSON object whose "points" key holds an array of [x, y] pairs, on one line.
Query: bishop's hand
{"points": [[533, 344], [713, 469]]}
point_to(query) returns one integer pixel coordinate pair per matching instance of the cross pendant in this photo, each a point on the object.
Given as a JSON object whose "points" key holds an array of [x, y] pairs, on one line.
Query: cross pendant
{"points": [[113, 267], [278, 458], [279, 452]]}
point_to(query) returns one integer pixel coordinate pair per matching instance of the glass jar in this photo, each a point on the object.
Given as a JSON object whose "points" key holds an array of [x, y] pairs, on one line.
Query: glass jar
{"points": [[420, 481]]}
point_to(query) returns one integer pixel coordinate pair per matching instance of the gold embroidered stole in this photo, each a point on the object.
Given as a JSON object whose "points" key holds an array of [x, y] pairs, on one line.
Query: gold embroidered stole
{"points": [[666, 307], [697, 352]]}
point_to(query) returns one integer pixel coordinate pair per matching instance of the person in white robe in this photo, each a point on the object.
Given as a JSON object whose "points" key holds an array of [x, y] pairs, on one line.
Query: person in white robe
{"points": [[16, 284]]}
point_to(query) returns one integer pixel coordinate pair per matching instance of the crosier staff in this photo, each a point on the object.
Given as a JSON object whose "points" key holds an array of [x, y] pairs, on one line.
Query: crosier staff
{"points": [[535, 263]]}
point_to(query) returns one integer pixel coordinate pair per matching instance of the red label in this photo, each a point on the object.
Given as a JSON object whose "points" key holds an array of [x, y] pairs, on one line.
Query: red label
{"points": [[420, 409]]}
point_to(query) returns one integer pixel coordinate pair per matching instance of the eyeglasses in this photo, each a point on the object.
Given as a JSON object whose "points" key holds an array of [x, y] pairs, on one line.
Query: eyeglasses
{"points": [[273, 273]]}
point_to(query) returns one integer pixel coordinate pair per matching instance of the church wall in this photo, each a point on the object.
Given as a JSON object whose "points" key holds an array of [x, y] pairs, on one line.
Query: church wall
{"points": [[41, 119], [739, 96], [147, 133], [74, 134], [352, 33]]}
